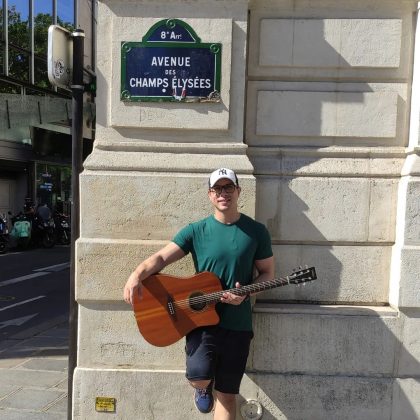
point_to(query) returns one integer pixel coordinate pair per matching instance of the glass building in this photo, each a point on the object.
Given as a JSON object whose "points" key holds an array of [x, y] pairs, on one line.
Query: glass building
{"points": [[35, 117]]}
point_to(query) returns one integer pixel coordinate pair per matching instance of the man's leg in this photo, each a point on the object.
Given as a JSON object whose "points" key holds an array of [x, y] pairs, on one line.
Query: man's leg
{"points": [[225, 408], [203, 395], [230, 368], [200, 358]]}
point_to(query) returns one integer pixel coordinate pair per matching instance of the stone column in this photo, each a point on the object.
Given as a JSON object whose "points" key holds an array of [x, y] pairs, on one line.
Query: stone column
{"points": [[147, 178], [405, 269]]}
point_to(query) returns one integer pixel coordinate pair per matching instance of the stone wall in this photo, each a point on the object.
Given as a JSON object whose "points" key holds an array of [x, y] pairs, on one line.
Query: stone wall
{"points": [[315, 118], [327, 127]]}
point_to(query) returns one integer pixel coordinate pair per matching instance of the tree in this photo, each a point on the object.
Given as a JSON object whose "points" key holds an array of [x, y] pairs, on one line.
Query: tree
{"points": [[19, 45]]}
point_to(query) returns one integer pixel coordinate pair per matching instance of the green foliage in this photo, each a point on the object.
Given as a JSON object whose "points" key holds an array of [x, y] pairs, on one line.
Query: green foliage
{"points": [[18, 29], [20, 41]]}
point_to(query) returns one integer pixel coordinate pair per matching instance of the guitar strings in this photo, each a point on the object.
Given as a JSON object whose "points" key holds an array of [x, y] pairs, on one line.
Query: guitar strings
{"points": [[250, 288], [215, 296]]}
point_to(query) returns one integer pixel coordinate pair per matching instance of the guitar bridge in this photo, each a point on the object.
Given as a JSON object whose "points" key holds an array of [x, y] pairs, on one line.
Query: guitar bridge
{"points": [[171, 307]]}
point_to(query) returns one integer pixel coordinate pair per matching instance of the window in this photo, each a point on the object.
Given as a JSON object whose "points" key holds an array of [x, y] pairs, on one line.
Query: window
{"points": [[24, 57], [65, 14], [1, 40], [43, 18], [19, 23], [53, 186], [19, 39], [41, 73], [19, 64]]}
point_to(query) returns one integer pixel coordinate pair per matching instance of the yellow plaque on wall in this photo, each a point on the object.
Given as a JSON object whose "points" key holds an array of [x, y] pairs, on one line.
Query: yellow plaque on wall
{"points": [[105, 404]]}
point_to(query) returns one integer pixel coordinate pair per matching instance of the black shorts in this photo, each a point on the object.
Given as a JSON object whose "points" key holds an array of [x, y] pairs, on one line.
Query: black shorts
{"points": [[216, 353]]}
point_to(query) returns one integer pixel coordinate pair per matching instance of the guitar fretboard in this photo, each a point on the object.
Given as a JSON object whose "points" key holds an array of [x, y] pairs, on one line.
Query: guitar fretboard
{"points": [[250, 288]]}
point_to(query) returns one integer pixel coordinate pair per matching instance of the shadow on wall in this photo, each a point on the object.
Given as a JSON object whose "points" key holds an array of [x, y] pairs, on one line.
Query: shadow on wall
{"points": [[327, 373], [330, 365]]}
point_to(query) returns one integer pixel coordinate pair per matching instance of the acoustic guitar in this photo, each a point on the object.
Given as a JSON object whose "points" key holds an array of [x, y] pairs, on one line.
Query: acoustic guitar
{"points": [[171, 306]]}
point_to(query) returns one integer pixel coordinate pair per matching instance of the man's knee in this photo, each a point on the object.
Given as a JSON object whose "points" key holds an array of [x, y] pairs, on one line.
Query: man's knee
{"points": [[200, 384], [226, 399]]}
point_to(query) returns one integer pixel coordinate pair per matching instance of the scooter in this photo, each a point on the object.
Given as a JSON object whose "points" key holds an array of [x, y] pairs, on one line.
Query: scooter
{"points": [[4, 234], [32, 229], [21, 231]]}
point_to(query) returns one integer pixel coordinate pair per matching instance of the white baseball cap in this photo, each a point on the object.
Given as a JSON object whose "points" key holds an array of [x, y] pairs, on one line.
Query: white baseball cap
{"points": [[222, 173]]}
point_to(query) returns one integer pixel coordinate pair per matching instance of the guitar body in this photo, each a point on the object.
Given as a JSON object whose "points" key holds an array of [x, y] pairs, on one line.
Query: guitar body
{"points": [[160, 320]]}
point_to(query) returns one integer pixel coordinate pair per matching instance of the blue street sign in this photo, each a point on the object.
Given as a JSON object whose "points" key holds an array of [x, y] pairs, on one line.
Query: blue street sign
{"points": [[170, 64]]}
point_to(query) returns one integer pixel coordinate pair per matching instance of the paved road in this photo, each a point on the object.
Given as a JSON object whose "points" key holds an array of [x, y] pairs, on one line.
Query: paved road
{"points": [[34, 296], [34, 288]]}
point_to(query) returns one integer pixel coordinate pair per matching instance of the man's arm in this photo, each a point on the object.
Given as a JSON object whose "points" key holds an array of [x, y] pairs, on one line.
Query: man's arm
{"points": [[265, 269], [152, 265]]}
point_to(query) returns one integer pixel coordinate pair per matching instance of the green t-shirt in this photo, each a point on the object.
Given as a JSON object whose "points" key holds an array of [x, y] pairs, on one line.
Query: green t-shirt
{"points": [[229, 251]]}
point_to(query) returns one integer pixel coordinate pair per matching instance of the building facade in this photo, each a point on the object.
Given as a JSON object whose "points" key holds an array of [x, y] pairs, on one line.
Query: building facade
{"points": [[319, 116], [35, 117]]}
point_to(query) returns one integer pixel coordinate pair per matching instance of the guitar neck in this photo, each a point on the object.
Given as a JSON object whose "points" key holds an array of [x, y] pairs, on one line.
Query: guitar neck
{"points": [[250, 288]]}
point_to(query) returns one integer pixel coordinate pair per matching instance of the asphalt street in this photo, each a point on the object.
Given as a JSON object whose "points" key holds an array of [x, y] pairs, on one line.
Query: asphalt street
{"points": [[34, 301], [34, 288]]}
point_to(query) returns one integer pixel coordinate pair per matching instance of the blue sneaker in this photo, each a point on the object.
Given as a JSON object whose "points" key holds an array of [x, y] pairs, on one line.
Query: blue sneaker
{"points": [[203, 399]]}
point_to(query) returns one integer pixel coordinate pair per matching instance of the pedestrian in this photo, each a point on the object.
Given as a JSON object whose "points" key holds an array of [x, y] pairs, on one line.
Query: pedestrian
{"points": [[230, 245], [44, 212]]}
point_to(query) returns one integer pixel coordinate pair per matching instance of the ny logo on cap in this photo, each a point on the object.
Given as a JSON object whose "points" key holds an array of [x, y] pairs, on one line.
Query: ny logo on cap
{"points": [[222, 172]]}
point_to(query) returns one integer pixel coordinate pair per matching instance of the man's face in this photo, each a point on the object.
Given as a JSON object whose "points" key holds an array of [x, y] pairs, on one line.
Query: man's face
{"points": [[224, 195]]}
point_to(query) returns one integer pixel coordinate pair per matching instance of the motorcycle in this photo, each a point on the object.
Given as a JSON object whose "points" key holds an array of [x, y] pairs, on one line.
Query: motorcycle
{"points": [[43, 231], [4, 234], [62, 228]]}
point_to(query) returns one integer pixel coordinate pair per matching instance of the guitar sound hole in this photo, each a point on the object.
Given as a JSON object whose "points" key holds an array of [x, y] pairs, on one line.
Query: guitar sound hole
{"points": [[197, 304]]}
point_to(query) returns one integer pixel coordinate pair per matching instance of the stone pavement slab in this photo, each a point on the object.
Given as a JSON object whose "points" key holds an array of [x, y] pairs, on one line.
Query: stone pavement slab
{"points": [[6, 389], [31, 378], [29, 415], [33, 374], [31, 399], [50, 364], [59, 406]]}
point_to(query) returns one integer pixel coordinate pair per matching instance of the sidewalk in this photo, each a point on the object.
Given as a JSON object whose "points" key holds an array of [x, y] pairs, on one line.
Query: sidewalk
{"points": [[33, 373]]}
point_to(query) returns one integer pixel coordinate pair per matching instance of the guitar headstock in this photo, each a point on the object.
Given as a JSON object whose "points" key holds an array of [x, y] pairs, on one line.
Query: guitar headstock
{"points": [[302, 275]]}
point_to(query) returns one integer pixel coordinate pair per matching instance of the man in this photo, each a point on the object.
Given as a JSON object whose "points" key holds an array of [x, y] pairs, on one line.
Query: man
{"points": [[44, 212], [231, 245]]}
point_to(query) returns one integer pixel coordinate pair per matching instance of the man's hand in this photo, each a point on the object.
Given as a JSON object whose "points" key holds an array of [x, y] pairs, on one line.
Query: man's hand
{"points": [[132, 286], [231, 298], [152, 265]]}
